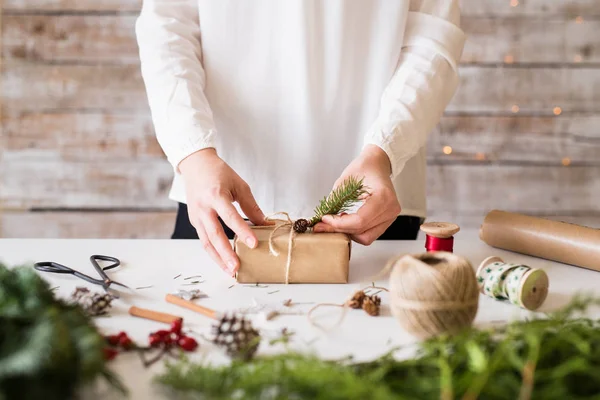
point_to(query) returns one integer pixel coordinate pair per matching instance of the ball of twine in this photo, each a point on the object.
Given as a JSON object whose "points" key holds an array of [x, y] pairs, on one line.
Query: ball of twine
{"points": [[433, 293]]}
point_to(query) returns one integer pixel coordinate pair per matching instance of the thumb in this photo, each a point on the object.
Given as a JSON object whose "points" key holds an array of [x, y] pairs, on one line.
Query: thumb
{"points": [[322, 227]]}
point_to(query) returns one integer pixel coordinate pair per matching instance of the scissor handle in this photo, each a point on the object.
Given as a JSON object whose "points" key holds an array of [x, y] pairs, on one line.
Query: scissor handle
{"points": [[96, 257], [54, 267], [51, 266]]}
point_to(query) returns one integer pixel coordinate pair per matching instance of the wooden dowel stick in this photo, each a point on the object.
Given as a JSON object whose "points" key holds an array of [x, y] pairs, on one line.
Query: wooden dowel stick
{"points": [[153, 315], [171, 298]]}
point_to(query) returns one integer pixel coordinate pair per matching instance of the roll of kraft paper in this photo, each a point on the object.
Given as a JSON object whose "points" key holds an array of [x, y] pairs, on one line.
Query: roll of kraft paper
{"points": [[552, 240]]}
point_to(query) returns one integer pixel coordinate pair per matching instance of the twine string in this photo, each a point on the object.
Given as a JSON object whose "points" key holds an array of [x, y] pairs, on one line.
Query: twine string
{"points": [[314, 323], [433, 293], [445, 305], [281, 223]]}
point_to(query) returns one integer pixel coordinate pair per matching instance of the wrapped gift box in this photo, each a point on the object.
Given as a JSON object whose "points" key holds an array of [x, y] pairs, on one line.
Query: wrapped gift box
{"points": [[316, 257]]}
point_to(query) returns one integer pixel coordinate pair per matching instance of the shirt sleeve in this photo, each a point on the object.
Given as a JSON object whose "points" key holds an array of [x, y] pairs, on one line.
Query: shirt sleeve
{"points": [[168, 35], [424, 81]]}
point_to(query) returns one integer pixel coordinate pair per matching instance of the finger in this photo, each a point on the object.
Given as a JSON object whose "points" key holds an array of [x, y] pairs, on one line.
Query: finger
{"points": [[364, 196], [236, 223], [323, 228], [368, 237], [368, 216], [209, 248], [216, 236], [250, 207]]}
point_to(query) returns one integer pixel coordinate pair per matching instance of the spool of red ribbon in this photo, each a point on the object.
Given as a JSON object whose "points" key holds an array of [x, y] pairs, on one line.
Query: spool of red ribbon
{"points": [[439, 236]]}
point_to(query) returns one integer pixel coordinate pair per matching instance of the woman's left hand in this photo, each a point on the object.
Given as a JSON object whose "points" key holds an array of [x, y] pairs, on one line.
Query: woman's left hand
{"points": [[381, 206]]}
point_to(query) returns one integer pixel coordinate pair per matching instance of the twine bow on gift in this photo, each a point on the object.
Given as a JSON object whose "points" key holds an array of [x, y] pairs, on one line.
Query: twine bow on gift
{"points": [[341, 199], [282, 223]]}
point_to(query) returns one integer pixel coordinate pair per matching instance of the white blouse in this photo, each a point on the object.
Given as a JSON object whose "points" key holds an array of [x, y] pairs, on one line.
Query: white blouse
{"points": [[289, 91]]}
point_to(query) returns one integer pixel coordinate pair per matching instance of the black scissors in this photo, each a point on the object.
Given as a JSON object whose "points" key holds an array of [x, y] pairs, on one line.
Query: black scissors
{"points": [[105, 282]]}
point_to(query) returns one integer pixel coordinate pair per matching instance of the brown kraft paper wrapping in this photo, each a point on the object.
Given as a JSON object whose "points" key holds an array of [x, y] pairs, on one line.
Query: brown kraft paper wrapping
{"points": [[316, 258], [552, 240]]}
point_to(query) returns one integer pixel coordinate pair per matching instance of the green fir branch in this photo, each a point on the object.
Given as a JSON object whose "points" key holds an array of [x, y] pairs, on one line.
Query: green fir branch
{"points": [[552, 357], [341, 199], [49, 349]]}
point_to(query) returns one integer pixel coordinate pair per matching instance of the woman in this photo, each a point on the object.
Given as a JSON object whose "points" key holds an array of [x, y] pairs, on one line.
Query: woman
{"points": [[293, 96]]}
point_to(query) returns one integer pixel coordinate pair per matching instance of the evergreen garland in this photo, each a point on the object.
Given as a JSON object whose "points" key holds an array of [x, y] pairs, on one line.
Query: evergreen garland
{"points": [[48, 348], [547, 358]]}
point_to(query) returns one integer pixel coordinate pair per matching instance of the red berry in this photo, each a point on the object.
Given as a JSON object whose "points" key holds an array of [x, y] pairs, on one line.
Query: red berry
{"points": [[167, 340], [177, 325], [162, 333], [113, 340], [110, 353], [125, 342], [187, 343], [155, 340], [122, 334]]}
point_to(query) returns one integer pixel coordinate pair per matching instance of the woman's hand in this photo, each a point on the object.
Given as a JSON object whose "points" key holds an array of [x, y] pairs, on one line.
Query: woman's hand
{"points": [[211, 188], [381, 207]]}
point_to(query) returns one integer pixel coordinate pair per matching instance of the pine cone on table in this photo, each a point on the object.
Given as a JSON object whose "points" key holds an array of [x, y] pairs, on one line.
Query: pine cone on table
{"points": [[301, 225], [237, 336], [94, 304], [357, 299], [371, 305]]}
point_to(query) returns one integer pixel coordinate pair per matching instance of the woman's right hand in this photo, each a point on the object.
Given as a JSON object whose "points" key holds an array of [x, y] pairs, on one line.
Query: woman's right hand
{"points": [[211, 188]]}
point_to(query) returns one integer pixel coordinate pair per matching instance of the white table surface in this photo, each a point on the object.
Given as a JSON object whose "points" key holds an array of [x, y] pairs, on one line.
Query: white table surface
{"points": [[157, 262]]}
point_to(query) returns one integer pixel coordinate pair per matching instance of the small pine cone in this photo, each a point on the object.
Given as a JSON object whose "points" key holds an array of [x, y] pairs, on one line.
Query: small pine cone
{"points": [[94, 304], [100, 304], [237, 336], [301, 225], [371, 305], [357, 300]]}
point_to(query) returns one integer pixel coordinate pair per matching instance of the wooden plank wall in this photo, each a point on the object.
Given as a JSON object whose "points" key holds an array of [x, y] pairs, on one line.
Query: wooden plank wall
{"points": [[79, 158]]}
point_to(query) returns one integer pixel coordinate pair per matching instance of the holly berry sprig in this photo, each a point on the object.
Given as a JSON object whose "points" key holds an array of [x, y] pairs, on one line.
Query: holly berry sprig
{"points": [[165, 340], [116, 342]]}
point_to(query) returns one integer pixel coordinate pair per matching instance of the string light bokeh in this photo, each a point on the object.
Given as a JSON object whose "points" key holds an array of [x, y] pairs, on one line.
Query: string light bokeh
{"points": [[515, 108]]}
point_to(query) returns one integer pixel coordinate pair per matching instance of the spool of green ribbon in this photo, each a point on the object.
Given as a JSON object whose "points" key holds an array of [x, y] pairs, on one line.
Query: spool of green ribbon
{"points": [[516, 283]]}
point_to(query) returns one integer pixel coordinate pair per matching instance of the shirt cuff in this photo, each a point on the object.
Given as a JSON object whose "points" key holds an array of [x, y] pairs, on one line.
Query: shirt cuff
{"points": [[379, 136], [177, 152]]}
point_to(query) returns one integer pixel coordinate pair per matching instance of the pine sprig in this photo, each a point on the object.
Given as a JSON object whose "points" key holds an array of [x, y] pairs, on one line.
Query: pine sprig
{"points": [[553, 357], [341, 199]]}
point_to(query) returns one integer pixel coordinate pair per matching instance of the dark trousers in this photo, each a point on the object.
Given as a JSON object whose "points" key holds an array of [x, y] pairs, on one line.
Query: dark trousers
{"points": [[403, 228]]}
